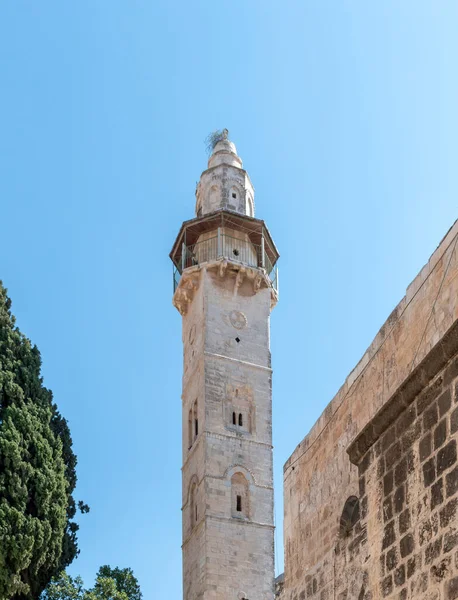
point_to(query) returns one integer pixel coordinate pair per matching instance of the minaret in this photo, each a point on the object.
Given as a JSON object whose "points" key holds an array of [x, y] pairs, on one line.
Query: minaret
{"points": [[225, 286]]}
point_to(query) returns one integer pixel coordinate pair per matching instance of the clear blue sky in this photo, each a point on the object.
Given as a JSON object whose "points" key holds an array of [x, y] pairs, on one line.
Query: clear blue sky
{"points": [[345, 114]]}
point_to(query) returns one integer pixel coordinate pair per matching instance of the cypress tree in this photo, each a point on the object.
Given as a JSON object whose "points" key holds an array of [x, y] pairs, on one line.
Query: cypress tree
{"points": [[37, 471]]}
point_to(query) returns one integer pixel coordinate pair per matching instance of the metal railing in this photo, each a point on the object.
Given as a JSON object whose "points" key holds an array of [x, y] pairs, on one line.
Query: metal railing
{"points": [[225, 246]]}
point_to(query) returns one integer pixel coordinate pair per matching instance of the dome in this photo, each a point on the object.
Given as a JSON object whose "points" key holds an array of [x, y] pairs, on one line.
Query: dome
{"points": [[224, 153], [225, 146]]}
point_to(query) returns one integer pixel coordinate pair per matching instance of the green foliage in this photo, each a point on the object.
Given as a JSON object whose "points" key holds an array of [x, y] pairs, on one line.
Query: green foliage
{"points": [[125, 580], [110, 584], [65, 587], [37, 471]]}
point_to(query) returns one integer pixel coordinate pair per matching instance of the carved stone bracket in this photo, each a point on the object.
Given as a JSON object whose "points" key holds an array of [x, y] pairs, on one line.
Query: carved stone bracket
{"points": [[222, 268], [189, 283], [239, 279], [190, 280]]}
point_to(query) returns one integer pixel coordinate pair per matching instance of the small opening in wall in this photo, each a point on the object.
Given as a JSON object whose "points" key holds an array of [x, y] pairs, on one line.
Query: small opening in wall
{"points": [[236, 393], [196, 513], [350, 516], [240, 420], [239, 503], [233, 419], [237, 339], [235, 252], [196, 423], [234, 195]]}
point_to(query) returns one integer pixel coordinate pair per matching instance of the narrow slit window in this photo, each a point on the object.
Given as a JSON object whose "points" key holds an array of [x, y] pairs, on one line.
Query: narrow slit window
{"points": [[196, 513], [195, 419], [234, 419], [239, 503], [240, 420]]}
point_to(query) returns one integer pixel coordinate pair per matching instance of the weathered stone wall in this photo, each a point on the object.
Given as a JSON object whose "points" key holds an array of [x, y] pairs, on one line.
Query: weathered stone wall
{"points": [[408, 482], [319, 477], [228, 554]]}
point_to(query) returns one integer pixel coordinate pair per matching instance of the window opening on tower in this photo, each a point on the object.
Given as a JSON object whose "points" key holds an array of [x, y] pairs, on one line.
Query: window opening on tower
{"points": [[240, 420], [240, 501], [193, 504], [193, 424], [234, 420], [190, 440]]}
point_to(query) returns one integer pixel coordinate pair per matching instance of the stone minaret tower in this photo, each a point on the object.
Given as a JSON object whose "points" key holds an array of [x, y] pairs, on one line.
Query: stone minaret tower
{"points": [[225, 286]]}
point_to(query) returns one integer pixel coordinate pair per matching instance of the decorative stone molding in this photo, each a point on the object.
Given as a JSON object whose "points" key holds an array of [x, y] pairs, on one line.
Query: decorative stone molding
{"points": [[184, 294], [238, 319], [239, 279], [237, 360], [241, 522], [223, 436], [237, 468], [190, 280]]}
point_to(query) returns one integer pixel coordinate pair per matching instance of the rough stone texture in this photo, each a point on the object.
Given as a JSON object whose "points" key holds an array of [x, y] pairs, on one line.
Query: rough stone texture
{"points": [[396, 415], [409, 551], [227, 554]]}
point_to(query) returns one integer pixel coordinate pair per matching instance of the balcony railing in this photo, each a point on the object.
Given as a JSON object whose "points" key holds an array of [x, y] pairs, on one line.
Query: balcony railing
{"points": [[225, 246]]}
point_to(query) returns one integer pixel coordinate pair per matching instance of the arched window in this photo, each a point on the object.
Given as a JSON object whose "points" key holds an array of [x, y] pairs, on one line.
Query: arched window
{"points": [[190, 438], [193, 505], [249, 207], [240, 501], [196, 420], [350, 516], [234, 419], [213, 199], [240, 420]]}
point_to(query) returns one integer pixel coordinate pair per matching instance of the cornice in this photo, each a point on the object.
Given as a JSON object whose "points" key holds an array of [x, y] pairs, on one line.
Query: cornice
{"points": [[237, 360], [225, 436]]}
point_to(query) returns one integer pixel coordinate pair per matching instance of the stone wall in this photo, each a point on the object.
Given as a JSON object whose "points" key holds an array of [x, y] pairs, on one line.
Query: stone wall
{"points": [[408, 484], [227, 510], [319, 478]]}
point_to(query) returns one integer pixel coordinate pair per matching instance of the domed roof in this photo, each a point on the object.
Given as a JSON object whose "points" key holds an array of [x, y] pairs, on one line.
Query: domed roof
{"points": [[225, 146], [224, 152]]}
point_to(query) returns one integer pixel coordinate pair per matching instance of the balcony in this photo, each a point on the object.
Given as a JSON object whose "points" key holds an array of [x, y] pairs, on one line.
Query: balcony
{"points": [[222, 245]]}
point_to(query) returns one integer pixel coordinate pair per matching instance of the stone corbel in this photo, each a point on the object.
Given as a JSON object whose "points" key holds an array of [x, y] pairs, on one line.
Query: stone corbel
{"points": [[257, 283], [239, 279], [222, 268], [184, 295]]}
